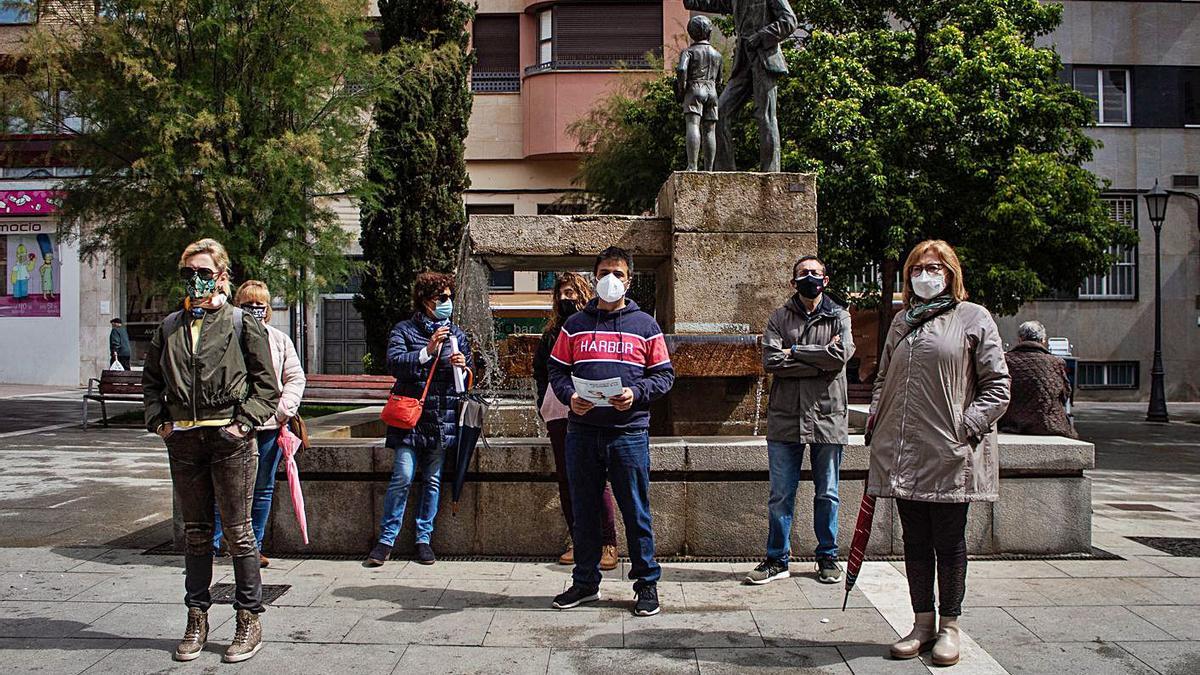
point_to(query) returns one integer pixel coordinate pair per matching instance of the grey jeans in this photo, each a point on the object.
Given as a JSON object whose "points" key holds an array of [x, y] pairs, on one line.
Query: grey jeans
{"points": [[209, 466]]}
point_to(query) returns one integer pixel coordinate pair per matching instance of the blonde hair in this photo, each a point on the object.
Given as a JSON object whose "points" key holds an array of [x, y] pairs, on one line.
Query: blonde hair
{"points": [[254, 290], [219, 255], [954, 274]]}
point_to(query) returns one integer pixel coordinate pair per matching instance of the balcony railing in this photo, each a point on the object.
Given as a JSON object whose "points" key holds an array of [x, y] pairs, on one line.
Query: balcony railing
{"points": [[492, 82], [594, 62]]}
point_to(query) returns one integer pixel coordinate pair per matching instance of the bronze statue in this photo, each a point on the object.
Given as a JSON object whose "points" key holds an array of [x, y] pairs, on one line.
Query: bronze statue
{"points": [[696, 87], [757, 63]]}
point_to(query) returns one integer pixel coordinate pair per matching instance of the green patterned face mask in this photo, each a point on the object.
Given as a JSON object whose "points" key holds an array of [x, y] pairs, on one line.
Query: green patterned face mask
{"points": [[199, 283]]}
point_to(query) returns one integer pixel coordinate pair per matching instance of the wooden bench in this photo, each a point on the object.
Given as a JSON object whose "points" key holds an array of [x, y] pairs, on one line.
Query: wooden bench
{"points": [[113, 385], [347, 389], [859, 393]]}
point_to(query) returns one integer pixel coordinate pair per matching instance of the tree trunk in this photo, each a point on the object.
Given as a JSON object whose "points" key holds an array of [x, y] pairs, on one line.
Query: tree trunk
{"points": [[884, 312]]}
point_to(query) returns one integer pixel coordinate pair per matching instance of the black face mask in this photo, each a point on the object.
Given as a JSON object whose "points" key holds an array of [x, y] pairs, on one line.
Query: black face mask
{"points": [[567, 307], [259, 313], [810, 287]]}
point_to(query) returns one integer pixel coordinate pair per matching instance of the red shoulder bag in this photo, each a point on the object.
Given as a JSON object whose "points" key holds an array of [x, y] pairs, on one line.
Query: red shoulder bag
{"points": [[403, 412]]}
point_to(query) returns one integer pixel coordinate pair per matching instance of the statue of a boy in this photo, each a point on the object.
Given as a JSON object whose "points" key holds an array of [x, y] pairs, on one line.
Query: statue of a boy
{"points": [[696, 87]]}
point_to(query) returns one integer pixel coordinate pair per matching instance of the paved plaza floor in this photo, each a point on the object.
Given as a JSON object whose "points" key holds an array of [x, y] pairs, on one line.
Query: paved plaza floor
{"points": [[79, 594]]}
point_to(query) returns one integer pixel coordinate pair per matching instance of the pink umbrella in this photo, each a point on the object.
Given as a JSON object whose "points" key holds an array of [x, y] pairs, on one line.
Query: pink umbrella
{"points": [[291, 443]]}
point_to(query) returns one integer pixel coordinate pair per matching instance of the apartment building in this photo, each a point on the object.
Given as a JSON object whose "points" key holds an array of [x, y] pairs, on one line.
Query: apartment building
{"points": [[1140, 63]]}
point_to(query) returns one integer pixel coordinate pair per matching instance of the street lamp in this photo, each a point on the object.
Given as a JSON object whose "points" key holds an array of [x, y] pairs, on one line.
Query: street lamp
{"points": [[1156, 205]]}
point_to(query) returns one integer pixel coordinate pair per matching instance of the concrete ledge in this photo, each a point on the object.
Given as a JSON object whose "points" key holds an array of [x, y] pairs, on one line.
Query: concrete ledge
{"points": [[709, 498]]}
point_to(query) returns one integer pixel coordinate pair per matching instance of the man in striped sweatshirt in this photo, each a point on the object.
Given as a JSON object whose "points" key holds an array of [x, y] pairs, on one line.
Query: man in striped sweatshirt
{"points": [[611, 338]]}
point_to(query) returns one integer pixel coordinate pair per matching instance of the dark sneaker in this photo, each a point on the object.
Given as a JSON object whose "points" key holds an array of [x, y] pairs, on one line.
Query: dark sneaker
{"points": [[647, 601], [768, 571], [425, 554], [247, 640], [194, 636], [828, 570], [378, 555], [575, 596]]}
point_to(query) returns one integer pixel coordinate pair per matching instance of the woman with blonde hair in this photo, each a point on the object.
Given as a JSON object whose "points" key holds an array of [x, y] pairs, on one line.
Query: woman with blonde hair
{"points": [[208, 382], [941, 387], [254, 299], [571, 292]]}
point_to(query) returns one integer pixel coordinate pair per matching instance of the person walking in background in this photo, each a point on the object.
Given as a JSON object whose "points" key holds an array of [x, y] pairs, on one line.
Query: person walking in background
{"points": [[609, 439], [208, 382], [1040, 387], [571, 293], [941, 386], [118, 343], [806, 346], [417, 346], [254, 299]]}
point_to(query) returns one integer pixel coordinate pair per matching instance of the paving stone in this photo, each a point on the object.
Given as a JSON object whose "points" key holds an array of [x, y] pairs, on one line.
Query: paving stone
{"points": [[1184, 567], [428, 627], [298, 624], [1002, 593], [1177, 591], [1088, 569], [1007, 569], [777, 660], [274, 658], [48, 585], [347, 569], [619, 595], [588, 661], [41, 655], [152, 621], [1086, 624], [130, 561], [58, 559], [700, 571], [1181, 621], [829, 595], [396, 594], [580, 627], [137, 657], [458, 570], [993, 627], [1115, 591], [549, 570], [1168, 658], [501, 593], [37, 619], [788, 628], [1070, 658], [781, 594], [677, 629], [474, 660], [875, 660], [304, 589]]}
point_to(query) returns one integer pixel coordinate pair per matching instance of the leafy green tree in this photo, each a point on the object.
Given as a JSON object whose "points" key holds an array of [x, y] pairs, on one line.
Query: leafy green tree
{"points": [[216, 118], [412, 206], [922, 119]]}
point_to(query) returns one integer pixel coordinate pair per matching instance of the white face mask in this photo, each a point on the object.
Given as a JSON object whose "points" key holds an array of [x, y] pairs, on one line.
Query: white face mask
{"points": [[928, 286], [610, 288]]}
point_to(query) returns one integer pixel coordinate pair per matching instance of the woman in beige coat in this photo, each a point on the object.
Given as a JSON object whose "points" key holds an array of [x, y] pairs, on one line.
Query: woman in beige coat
{"points": [[942, 385]]}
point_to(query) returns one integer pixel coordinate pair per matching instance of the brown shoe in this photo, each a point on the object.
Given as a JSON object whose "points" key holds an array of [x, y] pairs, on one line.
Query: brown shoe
{"points": [[247, 640], [608, 557], [194, 636], [263, 561], [568, 556]]}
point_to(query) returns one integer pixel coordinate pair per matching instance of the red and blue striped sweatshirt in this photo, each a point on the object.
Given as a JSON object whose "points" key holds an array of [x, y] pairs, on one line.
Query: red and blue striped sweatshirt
{"points": [[597, 345]]}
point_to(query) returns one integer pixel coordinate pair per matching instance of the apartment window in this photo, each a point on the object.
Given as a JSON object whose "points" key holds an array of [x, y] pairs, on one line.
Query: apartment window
{"points": [[501, 281], [1189, 85], [497, 43], [1120, 282], [1109, 89], [489, 209], [18, 12], [545, 36], [562, 209], [1108, 375]]}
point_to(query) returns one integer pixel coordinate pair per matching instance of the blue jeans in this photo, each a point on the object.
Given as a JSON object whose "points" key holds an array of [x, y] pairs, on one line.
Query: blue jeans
{"points": [[264, 486], [785, 460], [397, 493], [597, 455]]}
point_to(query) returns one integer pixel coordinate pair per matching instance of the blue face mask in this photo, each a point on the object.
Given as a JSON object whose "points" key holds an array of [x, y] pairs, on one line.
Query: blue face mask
{"points": [[443, 310]]}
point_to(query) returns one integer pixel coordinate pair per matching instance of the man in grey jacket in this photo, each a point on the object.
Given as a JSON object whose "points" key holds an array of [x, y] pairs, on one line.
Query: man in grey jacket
{"points": [[806, 346]]}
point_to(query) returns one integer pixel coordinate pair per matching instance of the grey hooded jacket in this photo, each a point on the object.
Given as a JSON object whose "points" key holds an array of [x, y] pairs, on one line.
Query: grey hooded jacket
{"points": [[937, 397], [808, 387]]}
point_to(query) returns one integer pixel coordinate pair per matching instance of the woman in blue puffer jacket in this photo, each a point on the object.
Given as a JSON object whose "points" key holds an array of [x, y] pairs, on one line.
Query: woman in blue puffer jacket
{"points": [[415, 346]]}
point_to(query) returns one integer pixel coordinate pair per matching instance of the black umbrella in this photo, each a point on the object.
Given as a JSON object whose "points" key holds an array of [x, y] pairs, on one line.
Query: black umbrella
{"points": [[471, 414]]}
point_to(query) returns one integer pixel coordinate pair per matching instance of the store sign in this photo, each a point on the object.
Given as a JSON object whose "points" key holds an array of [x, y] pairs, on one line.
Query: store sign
{"points": [[29, 202], [31, 269]]}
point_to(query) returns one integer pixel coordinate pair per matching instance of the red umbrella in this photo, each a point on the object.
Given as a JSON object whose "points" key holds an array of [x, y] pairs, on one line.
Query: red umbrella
{"points": [[858, 547], [290, 443]]}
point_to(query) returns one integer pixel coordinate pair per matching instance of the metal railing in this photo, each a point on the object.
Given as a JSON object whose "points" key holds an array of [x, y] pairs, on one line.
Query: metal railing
{"points": [[498, 81], [594, 62]]}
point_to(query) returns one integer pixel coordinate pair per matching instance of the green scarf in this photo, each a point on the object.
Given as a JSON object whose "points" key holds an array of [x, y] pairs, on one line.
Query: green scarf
{"points": [[919, 313]]}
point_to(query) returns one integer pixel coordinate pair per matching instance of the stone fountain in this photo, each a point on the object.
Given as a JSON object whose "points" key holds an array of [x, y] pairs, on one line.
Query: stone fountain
{"points": [[720, 246]]}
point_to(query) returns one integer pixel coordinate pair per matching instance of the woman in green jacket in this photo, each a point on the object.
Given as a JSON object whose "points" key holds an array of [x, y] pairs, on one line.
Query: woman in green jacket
{"points": [[208, 382]]}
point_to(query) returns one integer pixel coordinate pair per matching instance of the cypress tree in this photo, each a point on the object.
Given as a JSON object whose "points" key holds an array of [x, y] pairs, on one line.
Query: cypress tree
{"points": [[412, 206]]}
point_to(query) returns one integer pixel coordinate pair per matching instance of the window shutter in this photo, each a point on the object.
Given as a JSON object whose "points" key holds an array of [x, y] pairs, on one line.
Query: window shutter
{"points": [[497, 43], [605, 33]]}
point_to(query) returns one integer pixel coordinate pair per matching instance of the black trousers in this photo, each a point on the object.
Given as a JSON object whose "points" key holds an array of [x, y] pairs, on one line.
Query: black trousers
{"points": [[935, 538], [208, 466]]}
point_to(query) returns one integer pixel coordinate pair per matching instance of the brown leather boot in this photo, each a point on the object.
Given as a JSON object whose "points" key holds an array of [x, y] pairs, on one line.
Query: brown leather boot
{"points": [[194, 636], [263, 561], [568, 556], [922, 635], [608, 557], [945, 650], [247, 640]]}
